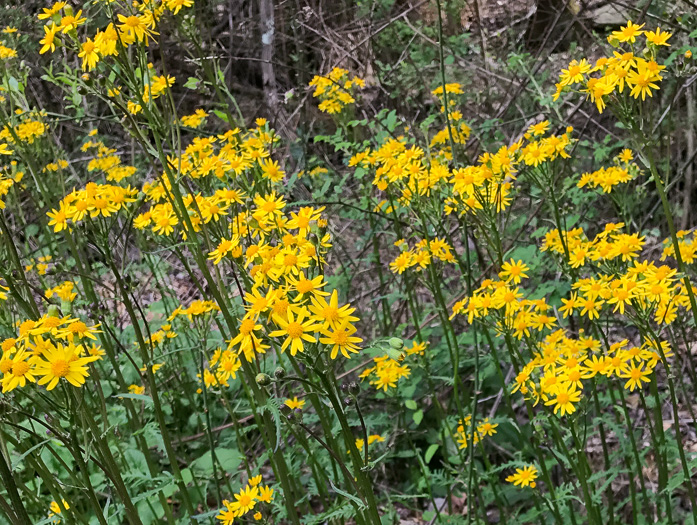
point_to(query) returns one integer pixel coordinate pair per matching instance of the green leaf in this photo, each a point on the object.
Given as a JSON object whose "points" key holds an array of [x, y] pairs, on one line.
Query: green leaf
{"points": [[410, 404], [192, 83], [430, 452], [14, 84], [140, 397], [187, 476], [221, 115], [32, 449], [418, 417], [228, 458]]}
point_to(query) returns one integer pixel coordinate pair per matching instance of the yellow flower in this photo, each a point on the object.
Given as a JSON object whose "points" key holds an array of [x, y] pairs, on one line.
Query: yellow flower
{"points": [[135, 28], [194, 120], [88, 54], [136, 389], [20, 371], [635, 375], [566, 394], [55, 508], [70, 22], [657, 38], [265, 494], [48, 13], [598, 88], [244, 501], [59, 219], [296, 330], [226, 515], [627, 33], [271, 170], [176, 5], [224, 248], [48, 41], [513, 271], [540, 128], [524, 477], [330, 314], [59, 362], [295, 403], [642, 81], [626, 155], [342, 340]]}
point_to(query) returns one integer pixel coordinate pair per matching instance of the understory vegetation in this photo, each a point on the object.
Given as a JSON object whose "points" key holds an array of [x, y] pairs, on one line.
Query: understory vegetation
{"points": [[444, 273]]}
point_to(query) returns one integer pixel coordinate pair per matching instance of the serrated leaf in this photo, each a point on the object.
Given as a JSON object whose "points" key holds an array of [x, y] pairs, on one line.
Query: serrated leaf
{"points": [[273, 406]]}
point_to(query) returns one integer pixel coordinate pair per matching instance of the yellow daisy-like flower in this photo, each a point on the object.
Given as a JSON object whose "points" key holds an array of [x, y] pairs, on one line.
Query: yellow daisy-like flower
{"points": [[295, 403], [245, 500], [525, 477], [70, 22], [658, 38], [20, 371], [627, 33], [48, 41], [88, 54], [63, 362], [513, 271], [295, 330]]}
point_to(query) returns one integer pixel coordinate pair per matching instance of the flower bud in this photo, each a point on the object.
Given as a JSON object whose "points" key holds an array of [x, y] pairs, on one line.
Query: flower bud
{"points": [[263, 379], [279, 373], [353, 388]]}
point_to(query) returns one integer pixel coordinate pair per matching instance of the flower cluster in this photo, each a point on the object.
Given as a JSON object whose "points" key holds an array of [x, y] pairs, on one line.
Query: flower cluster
{"points": [[65, 291], [47, 351], [625, 74], [194, 120], [385, 372], [606, 179], [562, 366], [245, 501], [336, 90], [29, 128], [40, 264], [455, 129], [91, 202], [686, 245], [466, 435], [608, 245], [106, 160], [404, 172], [138, 25], [423, 253]]}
